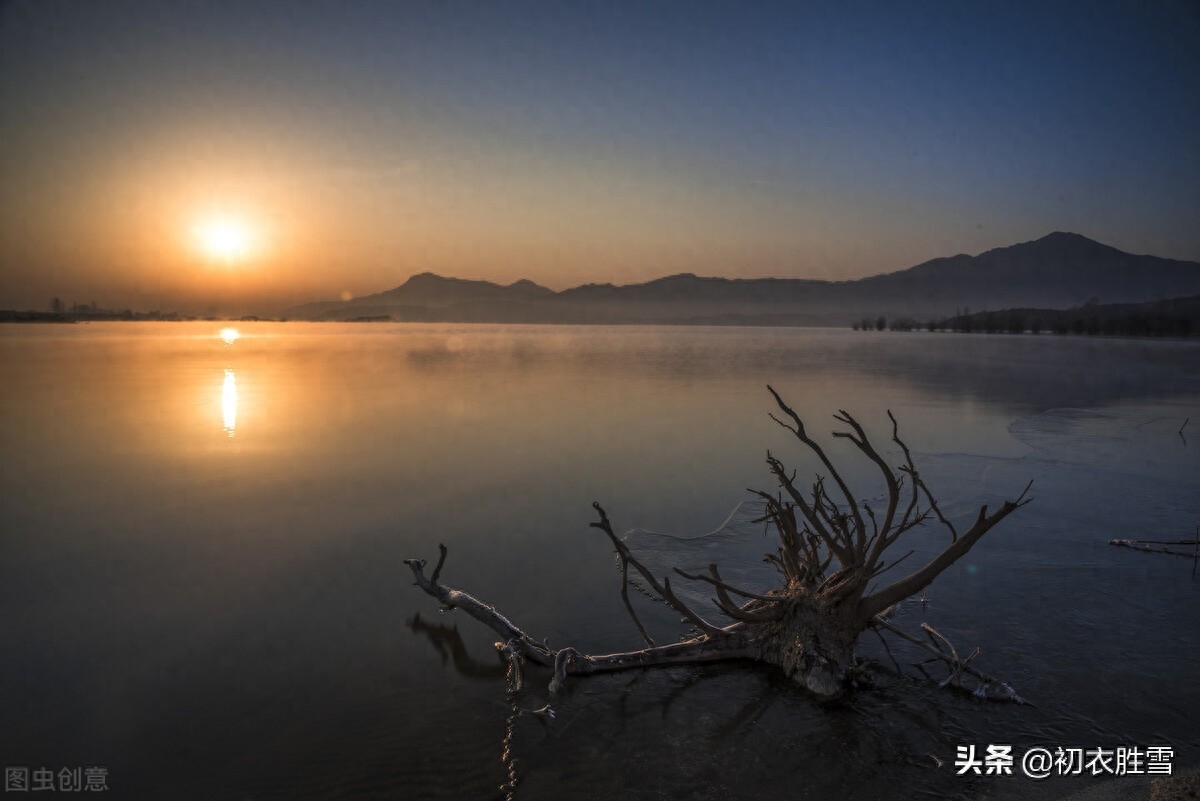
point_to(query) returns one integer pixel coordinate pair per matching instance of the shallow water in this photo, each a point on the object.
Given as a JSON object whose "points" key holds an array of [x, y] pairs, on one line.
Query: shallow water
{"points": [[201, 582]]}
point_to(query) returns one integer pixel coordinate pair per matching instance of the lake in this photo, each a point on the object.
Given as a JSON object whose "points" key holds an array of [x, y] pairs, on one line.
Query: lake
{"points": [[202, 588]]}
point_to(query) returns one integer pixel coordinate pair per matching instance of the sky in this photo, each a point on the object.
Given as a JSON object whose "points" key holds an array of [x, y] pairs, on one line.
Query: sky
{"points": [[352, 145]]}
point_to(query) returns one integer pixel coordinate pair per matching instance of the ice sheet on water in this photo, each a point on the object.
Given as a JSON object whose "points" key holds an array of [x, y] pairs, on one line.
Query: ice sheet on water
{"points": [[1129, 438], [1097, 473], [736, 546]]}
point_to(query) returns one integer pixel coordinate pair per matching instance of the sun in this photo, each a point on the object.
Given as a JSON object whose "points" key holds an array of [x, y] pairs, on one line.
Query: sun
{"points": [[226, 239]]}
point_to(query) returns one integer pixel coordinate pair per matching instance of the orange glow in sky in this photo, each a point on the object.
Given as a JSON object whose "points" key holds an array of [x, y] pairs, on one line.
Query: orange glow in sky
{"points": [[231, 159], [227, 239]]}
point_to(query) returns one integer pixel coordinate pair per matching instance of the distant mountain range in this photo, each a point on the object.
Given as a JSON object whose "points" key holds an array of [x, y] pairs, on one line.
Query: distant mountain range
{"points": [[1058, 271]]}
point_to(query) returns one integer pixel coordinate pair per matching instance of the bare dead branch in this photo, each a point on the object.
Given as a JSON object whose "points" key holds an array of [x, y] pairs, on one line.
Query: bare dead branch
{"points": [[1127, 543], [807, 626], [789, 538], [687, 611], [663, 589], [437, 571], [1155, 546], [744, 615], [914, 583], [487, 615], [785, 425], [881, 570], [938, 640], [972, 655], [735, 644], [814, 522], [629, 606], [754, 611], [888, 649], [716, 581], [874, 522], [511, 651], [863, 443], [820, 452], [1002, 690]]}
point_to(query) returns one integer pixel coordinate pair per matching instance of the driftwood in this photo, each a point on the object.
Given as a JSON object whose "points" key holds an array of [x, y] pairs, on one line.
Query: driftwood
{"points": [[1165, 546], [1146, 545], [832, 547]]}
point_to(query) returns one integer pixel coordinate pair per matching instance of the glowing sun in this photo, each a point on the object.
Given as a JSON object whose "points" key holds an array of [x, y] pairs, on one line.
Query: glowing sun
{"points": [[226, 239]]}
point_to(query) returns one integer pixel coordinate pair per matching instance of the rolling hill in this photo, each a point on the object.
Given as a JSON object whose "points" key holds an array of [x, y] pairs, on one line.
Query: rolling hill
{"points": [[1060, 270]]}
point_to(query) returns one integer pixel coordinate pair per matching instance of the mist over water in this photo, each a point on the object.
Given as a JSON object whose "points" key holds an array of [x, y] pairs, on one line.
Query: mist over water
{"points": [[202, 589]]}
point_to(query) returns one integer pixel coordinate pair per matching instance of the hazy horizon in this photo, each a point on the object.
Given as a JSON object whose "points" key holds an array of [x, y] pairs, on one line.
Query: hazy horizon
{"points": [[247, 158]]}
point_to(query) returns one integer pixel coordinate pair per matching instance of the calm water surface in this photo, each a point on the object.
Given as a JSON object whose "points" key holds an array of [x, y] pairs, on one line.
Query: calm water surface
{"points": [[201, 584]]}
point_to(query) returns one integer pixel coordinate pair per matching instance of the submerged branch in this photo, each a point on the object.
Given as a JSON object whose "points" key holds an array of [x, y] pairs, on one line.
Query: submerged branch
{"points": [[1001, 689]]}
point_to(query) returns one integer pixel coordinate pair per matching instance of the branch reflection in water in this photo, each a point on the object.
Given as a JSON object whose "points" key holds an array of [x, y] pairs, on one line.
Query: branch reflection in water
{"points": [[449, 644]]}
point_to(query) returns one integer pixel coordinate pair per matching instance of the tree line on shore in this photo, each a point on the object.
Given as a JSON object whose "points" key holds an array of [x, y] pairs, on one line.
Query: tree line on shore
{"points": [[59, 312], [1177, 317]]}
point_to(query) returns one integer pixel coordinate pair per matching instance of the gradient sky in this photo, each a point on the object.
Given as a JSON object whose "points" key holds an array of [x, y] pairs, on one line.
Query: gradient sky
{"points": [[573, 142]]}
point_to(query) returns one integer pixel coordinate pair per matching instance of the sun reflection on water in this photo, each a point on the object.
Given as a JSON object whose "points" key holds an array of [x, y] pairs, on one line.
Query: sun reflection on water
{"points": [[229, 402], [230, 335]]}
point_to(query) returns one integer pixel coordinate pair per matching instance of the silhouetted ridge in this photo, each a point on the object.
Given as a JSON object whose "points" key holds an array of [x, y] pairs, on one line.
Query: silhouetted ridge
{"points": [[430, 289], [1059, 270]]}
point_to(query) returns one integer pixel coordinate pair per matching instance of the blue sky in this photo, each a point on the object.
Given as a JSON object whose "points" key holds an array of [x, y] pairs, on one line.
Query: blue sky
{"points": [[572, 142]]}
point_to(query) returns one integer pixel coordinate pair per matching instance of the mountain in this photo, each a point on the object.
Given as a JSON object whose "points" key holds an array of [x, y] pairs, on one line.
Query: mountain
{"points": [[427, 289], [1057, 271]]}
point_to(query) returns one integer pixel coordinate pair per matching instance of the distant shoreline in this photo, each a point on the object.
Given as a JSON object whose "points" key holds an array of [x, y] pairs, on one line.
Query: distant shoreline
{"points": [[30, 316], [1184, 329]]}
